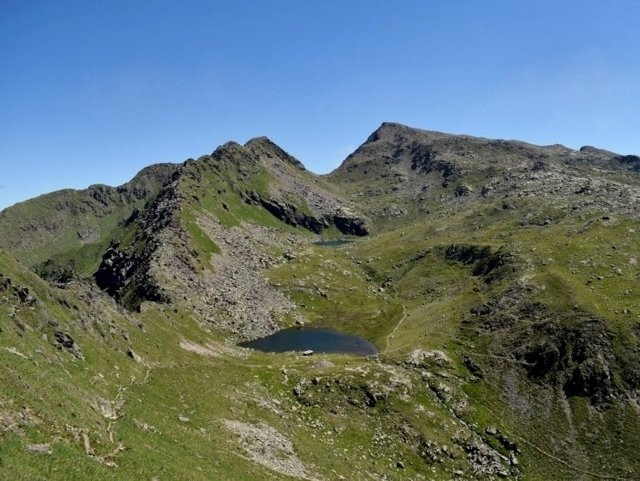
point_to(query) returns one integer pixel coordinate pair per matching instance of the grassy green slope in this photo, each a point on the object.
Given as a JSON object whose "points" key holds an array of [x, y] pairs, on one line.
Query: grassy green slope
{"points": [[560, 437], [74, 227], [168, 416]]}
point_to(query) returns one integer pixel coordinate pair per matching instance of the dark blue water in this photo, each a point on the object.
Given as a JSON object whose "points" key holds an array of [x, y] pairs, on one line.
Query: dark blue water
{"points": [[316, 339], [333, 243]]}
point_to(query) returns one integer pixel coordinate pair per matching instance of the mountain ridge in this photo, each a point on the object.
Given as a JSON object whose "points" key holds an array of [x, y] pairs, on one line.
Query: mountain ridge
{"points": [[386, 127]]}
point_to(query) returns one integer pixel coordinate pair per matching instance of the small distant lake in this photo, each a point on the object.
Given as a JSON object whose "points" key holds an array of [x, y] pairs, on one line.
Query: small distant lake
{"points": [[314, 338], [333, 243]]}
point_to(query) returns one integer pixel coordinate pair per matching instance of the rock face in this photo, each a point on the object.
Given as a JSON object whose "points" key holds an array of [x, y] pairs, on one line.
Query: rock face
{"points": [[126, 276], [343, 220], [289, 213], [425, 159], [350, 225], [125, 273]]}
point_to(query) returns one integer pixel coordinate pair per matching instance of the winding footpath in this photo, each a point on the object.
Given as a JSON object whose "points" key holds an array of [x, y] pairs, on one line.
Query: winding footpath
{"points": [[397, 326]]}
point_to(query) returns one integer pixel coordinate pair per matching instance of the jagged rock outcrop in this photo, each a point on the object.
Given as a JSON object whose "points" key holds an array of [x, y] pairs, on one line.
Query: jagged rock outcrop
{"points": [[126, 270], [21, 293], [63, 340], [126, 276]]}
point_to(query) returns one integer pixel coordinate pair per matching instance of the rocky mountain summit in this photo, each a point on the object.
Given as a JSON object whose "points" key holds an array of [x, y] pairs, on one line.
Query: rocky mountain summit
{"points": [[498, 280], [414, 169]]}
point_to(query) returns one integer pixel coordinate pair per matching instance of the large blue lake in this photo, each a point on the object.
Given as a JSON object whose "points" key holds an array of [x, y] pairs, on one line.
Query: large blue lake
{"points": [[314, 338]]}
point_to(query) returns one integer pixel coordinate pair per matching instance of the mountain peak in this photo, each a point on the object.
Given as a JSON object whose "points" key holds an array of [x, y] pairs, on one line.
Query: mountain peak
{"points": [[387, 129], [268, 150], [394, 131], [261, 139], [390, 126], [229, 145]]}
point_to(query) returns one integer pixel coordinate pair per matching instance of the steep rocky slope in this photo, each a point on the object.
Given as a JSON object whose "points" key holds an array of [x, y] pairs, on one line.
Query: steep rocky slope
{"points": [[497, 278], [416, 172]]}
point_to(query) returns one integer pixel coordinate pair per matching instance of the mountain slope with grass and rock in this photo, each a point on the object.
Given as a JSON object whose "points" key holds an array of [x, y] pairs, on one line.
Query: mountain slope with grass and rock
{"points": [[498, 280]]}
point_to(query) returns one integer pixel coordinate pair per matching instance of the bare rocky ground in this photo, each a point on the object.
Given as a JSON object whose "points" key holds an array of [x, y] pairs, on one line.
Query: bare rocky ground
{"points": [[266, 446], [246, 304]]}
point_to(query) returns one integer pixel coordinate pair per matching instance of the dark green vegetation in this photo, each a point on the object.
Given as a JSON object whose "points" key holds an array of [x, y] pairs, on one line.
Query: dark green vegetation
{"points": [[498, 279]]}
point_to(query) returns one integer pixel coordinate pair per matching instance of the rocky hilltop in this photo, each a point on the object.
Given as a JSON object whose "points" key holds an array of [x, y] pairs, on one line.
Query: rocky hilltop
{"points": [[497, 278], [415, 169]]}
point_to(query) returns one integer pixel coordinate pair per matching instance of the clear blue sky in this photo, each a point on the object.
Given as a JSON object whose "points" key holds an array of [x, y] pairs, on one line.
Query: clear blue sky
{"points": [[91, 91]]}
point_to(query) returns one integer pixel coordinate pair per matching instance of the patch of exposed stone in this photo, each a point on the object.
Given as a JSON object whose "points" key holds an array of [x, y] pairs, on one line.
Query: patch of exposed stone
{"points": [[42, 448], [63, 341], [16, 291], [566, 188], [235, 296], [264, 445], [209, 349], [16, 420], [489, 263]]}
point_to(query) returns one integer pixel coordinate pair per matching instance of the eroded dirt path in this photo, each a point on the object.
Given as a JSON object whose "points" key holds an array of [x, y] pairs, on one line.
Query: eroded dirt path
{"points": [[397, 326]]}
